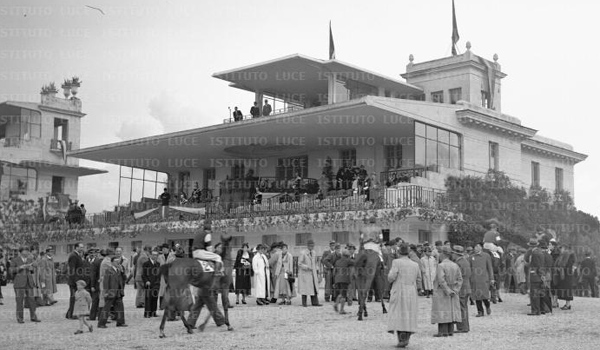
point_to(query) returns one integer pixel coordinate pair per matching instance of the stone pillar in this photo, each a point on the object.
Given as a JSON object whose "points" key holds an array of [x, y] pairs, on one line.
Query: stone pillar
{"points": [[331, 89]]}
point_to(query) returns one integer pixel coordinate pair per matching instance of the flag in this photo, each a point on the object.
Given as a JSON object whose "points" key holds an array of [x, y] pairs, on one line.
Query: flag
{"points": [[331, 45], [455, 35]]}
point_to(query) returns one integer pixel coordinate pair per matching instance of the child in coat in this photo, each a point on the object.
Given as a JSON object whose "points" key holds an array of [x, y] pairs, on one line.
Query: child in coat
{"points": [[83, 300]]}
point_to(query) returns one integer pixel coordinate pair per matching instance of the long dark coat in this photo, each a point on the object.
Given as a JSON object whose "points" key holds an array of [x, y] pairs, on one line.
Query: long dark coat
{"points": [[482, 274]]}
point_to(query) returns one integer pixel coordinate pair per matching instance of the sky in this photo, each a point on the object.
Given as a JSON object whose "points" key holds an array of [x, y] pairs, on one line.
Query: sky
{"points": [[146, 65]]}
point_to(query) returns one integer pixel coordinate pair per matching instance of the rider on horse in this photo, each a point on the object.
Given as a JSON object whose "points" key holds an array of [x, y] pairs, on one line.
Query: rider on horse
{"points": [[371, 237], [204, 250]]}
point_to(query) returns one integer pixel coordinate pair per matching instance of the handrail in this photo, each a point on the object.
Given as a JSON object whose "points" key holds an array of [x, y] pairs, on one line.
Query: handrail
{"points": [[287, 109], [395, 176]]}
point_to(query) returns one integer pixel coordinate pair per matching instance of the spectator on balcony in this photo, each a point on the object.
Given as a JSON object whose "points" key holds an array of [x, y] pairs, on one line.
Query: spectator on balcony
{"points": [[196, 193], [266, 110], [237, 115], [165, 198], [183, 198], [83, 210], [255, 111]]}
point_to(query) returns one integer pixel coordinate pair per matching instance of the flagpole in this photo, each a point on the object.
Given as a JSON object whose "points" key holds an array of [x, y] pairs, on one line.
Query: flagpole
{"points": [[455, 36]]}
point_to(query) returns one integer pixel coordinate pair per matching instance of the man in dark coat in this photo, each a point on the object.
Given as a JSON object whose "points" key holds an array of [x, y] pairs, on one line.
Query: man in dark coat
{"points": [[588, 273], [151, 279], [23, 269], [75, 273], [328, 259], [95, 284], [481, 278], [113, 295], [465, 289], [537, 275]]}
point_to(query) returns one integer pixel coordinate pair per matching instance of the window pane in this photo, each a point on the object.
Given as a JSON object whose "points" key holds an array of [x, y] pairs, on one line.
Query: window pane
{"points": [[454, 139], [444, 136], [443, 155], [419, 129], [150, 175], [431, 132], [36, 130], [419, 152], [431, 153], [163, 178], [126, 171], [138, 173], [454, 158]]}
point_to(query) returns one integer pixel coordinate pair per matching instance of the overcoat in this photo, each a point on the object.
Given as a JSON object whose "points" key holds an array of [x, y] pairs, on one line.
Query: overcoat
{"points": [[445, 308], [161, 260], [465, 270], [308, 280], [481, 275], [428, 269], [47, 275], [405, 277], [262, 276], [520, 275], [282, 286]]}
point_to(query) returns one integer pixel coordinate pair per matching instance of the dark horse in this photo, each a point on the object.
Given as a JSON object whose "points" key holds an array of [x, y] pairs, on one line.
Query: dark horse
{"points": [[369, 272], [180, 275]]}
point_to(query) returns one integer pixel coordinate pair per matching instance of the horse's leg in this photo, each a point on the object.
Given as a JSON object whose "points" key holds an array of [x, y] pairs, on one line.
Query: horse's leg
{"points": [[361, 301], [189, 327], [225, 302], [203, 325], [220, 320], [162, 325]]}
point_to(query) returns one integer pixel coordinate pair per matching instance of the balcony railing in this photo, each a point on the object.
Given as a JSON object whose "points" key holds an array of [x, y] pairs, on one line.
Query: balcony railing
{"points": [[57, 145], [402, 175], [274, 112]]}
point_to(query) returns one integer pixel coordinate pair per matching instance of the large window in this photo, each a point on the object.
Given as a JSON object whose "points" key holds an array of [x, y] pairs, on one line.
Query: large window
{"points": [[393, 156], [16, 180], [57, 184], [303, 238], [288, 168], [535, 174], [19, 125], [455, 95], [436, 147], [424, 236], [437, 97], [238, 171], [137, 184], [485, 99], [558, 178], [494, 156], [341, 237]]}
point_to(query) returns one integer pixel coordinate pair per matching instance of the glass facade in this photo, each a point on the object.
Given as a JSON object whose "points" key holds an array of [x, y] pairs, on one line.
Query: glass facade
{"points": [[436, 147]]}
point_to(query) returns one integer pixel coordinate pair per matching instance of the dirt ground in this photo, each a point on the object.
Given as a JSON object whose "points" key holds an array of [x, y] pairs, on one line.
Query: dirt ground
{"points": [[296, 327]]}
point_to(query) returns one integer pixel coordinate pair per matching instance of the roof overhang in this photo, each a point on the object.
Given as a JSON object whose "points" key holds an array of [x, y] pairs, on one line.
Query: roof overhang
{"points": [[475, 118], [335, 126], [298, 78], [60, 168], [552, 151]]}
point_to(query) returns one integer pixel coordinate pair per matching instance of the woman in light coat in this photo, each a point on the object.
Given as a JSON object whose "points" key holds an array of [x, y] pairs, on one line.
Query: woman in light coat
{"points": [[428, 269], [520, 275], [283, 289], [405, 277], [262, 275]]}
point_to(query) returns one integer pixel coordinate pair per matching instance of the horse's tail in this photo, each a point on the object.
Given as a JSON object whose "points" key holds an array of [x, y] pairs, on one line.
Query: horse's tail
{"points": [[164, 271]]}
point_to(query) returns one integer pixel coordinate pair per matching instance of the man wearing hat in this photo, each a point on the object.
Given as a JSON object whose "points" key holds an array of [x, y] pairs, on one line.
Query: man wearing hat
{"points": [[308, 275], [23, 268], [329, 265], [403, 315], [445, 306], [328, 270], [465, 290], [352, 286], [535, 257], [482, 277], [47, 277], [95, 283]]}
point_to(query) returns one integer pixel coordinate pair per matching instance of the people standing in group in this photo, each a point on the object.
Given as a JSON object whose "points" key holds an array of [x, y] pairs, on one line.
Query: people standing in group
{"points": [[481, 278], [237, 115], [328, 258], [262, 275], [564, 267], [243, 273], [143, 256], [428, 270], [47, 277], [465, 290], [22, 268], [405, 276], [113, 289], [445, 306], [266, 109], [283, 275], [165, 198], [308, 275], [554, 251], [83, 301], [255, 111], [151, 279], [342, 271], [588, 273], [75, 272]]}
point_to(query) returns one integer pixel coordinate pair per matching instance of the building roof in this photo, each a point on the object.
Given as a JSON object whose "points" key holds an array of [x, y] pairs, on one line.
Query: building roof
{"points": [[61, 168], [297, 77], [26, 105]]}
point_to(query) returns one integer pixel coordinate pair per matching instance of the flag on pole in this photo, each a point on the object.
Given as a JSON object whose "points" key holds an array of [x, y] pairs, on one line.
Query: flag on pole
{"points": [[331, 45], [455, 35]]}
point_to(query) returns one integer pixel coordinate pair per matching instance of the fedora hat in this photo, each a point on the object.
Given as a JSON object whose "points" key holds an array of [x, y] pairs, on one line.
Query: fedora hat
{"points": [[532, 242], [310, 242]]}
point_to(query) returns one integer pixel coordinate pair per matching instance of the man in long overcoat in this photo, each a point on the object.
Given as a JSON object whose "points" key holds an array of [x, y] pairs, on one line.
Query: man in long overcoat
{"points": [[465, 290], [308, 275], [76, 273], [405, 276], [482, 276], [23, 269], [139, 283], [445, 306], [47, 277]]}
